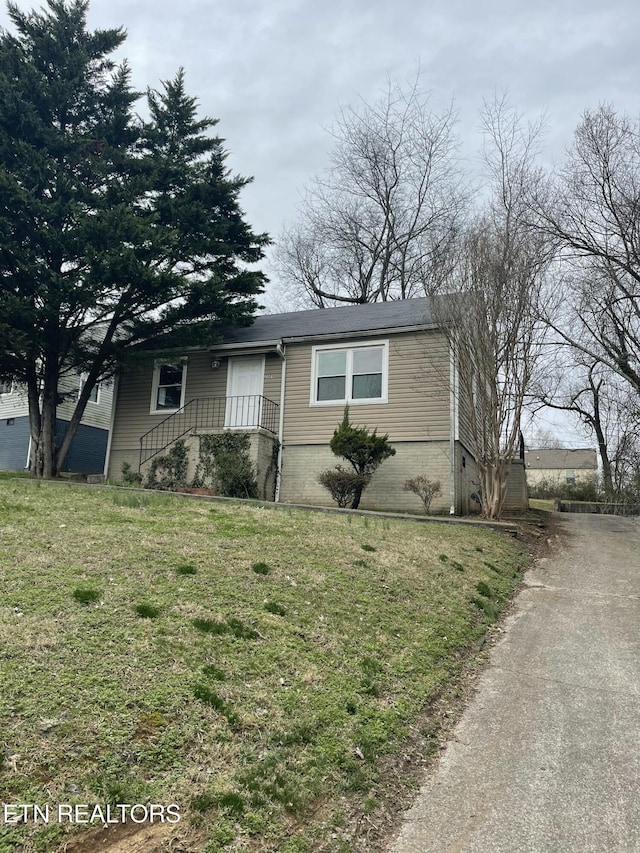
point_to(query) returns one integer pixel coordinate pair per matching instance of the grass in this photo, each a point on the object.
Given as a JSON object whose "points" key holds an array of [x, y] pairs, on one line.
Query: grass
{"points": [[540, 503], [265, 704]]}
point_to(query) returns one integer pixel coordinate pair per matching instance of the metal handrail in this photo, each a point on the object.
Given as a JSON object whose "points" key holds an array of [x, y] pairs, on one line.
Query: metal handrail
{"points": [[250, 411]]}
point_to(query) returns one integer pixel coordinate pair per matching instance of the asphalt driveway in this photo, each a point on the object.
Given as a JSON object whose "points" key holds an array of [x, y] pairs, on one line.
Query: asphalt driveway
{"points": [[547, 755]]}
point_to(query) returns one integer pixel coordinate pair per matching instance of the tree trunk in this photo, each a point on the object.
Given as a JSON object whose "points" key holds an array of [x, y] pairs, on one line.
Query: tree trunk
{"points": [[46, 467], [76, 418], [494, 488]]}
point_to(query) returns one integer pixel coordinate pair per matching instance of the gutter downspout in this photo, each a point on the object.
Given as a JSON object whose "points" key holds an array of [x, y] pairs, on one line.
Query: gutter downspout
{"points": [[114, 400], [452, 431], [283, 380]]}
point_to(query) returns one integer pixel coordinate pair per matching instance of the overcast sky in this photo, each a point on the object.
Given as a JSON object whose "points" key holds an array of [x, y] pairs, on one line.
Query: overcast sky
{"points": [[275, 72]]}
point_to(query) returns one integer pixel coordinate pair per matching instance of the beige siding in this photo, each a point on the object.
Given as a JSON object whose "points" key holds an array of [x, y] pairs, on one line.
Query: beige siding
{"points": [[558, 477], [418, 406], [302, 464], [272, 377], [133, 417]]}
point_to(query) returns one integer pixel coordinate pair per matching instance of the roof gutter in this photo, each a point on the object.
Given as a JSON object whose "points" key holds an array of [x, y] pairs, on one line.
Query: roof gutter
{"points": [[266, 346]]}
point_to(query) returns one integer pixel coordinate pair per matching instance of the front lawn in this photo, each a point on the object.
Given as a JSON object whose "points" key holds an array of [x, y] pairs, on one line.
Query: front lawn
{"points": [[253, 666]]}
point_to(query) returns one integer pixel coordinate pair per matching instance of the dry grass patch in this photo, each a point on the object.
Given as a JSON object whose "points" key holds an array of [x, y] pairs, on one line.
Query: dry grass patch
{"points": [[266, 732]]}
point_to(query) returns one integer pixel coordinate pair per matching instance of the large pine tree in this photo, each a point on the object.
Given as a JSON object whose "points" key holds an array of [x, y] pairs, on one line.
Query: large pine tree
{"points": [[114, 231]]}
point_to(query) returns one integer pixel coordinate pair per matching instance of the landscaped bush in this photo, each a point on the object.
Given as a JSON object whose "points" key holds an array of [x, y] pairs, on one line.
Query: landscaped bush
{"points": [[424, 488], [364, 451], [343, 486]]}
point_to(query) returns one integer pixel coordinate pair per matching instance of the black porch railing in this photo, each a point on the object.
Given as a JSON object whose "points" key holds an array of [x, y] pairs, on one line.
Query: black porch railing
{"points": [[252, 411]]}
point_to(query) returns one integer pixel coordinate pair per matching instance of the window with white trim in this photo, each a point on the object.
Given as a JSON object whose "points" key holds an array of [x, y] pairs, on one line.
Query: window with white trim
{"points": [[6, 385], [94, 396], [167, 390], [350, 374]]}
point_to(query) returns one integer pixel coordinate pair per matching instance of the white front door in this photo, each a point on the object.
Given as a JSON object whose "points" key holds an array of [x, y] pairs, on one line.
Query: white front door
{"points": [[245, 379]]}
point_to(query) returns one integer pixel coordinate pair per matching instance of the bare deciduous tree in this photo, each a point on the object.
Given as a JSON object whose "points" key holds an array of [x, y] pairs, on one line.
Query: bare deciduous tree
{"points": [[492, 318], [608, 410], [594, 212], [380, 222]]}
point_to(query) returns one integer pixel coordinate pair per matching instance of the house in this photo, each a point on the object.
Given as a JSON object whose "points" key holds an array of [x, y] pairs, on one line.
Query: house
{"points": [[286, 379], [561, 466], [87, 453]]}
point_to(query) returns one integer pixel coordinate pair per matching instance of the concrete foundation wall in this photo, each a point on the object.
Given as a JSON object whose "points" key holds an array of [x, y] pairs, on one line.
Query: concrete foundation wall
{"points": [[261, 453]]}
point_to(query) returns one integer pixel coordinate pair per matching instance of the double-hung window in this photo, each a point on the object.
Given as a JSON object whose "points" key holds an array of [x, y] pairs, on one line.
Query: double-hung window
{"points": [[94, 396], [6, 385], [167, 390], [356, 374]]}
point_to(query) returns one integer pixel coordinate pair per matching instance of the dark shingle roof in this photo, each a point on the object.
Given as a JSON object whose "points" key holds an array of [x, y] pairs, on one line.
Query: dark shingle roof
{"points": [[372, 317], [561, 458]]}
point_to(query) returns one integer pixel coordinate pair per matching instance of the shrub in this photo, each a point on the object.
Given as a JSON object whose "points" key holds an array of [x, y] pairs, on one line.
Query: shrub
{"points": [[345, 487], [364, 451], [169, 471], [225, 462], [424, 488], [129, 476], [583, 490]]}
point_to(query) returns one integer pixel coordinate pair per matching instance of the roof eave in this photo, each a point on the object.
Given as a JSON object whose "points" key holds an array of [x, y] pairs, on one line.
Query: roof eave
{"points": [[362, 333]]}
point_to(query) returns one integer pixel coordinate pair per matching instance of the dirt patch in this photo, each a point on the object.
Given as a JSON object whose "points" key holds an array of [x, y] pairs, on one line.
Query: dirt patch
{"points": [[133, 838]]}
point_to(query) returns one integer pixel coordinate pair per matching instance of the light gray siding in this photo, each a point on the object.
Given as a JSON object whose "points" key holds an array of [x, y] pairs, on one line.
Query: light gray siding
{"points": [[98, 414]]}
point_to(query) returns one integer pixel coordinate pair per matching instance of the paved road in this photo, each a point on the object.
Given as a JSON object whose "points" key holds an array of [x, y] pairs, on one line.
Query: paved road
{"points": [[546, 758]]}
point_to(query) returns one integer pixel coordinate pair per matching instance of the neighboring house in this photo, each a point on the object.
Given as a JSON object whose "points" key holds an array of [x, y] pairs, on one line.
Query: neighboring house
{"points": [[286, 379], [88, 450], [561, 466]]}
